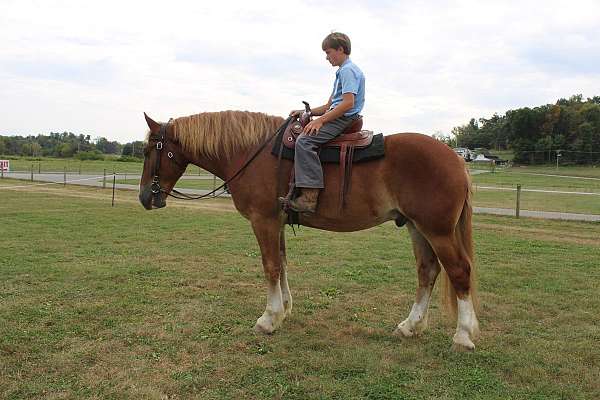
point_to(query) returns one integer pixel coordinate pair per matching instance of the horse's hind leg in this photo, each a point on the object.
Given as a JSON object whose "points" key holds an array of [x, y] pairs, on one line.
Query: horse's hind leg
{"points": [[428, 268], [268, 235], [457, 262], [285, 289]]}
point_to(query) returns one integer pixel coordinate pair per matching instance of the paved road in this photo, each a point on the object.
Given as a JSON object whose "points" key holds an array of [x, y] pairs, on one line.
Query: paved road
{"points": [[95, 180]]}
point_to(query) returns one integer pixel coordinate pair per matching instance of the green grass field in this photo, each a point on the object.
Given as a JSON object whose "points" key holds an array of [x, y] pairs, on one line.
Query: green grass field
{"points": [[49, 164], [530, 181], [121, 303], [570, 170], [205, 184], [560, 202], [556, 202]]}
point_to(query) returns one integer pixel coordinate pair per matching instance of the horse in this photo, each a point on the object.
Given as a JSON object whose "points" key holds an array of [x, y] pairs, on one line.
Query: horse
{"points": [[420, 182]]}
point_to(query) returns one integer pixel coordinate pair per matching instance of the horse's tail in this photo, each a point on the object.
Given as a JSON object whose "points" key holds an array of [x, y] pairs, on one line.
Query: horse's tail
{"points": [[463, 236]]}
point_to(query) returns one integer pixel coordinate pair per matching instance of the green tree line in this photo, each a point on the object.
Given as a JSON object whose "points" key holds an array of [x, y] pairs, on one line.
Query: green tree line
{"points": [[67, 144], [569, 128]]}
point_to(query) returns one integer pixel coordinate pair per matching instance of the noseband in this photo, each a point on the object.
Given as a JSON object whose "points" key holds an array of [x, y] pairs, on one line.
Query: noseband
{"points": [[160, 144]]}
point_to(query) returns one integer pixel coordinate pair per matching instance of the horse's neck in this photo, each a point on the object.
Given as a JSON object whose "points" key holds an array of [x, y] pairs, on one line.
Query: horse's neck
{"points": [[222, 166]]}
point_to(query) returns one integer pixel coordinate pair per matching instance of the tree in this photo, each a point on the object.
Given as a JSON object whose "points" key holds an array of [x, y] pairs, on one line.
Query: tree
{"points": [[134, 149], [534, 134], [66, 150]]}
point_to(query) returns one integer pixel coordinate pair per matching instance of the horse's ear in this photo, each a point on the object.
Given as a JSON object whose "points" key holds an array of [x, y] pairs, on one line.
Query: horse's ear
{"points": [[154, 126]]}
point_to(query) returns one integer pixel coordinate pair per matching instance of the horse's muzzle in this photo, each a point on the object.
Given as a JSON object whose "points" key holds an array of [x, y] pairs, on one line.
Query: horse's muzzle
{"points": [[151, 200]]}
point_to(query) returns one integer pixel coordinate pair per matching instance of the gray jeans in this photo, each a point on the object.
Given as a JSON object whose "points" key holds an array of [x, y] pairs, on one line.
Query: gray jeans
{"points": [[307, 166]]}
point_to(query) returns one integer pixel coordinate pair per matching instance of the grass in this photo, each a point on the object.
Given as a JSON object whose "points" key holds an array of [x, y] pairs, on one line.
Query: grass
{"points": [[566, 170], [560, 202], [205, 184], [512, 179], [101, 302], [50, 164], [556, 202]]}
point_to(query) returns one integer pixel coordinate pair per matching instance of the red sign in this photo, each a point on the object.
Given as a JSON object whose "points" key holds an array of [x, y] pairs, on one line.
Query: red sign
{"points": [[5, 165]]}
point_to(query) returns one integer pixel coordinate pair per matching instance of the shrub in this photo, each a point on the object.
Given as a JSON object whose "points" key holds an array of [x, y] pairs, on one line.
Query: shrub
{"points": [[90, 155], [128, 159]]}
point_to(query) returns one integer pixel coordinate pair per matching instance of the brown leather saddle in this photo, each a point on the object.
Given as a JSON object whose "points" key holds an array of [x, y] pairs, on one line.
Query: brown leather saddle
{"points": [[353, 137]]}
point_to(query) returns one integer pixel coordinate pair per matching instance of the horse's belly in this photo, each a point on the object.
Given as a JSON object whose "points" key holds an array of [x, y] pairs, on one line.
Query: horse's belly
{"points": [[344, 223]]}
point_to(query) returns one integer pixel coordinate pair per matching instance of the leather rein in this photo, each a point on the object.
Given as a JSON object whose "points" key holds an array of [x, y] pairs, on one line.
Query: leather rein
{"points": [[160, 144]]}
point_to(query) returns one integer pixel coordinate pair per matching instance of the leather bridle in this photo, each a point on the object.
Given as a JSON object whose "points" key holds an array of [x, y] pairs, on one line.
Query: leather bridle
{"points": [[155, 187], [160, 144]]}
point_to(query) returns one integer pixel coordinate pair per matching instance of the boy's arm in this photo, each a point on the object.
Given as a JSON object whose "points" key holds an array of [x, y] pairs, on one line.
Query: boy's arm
{"points": [[347, 103], [318, 111], [315, 111]]}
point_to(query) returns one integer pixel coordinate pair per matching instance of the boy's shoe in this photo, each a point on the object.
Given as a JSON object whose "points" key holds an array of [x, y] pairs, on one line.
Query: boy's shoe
{"points": [[306, 202]]}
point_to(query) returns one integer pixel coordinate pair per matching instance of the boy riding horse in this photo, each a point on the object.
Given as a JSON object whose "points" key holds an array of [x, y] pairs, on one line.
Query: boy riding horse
{"points": [[343, 107]]}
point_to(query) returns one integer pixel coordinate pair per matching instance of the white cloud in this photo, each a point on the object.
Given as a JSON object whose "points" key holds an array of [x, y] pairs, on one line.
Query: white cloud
{"points": [[94, 67]]}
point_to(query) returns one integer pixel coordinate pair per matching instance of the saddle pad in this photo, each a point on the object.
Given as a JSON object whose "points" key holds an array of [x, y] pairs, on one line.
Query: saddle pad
{"points": [[332, 154]]}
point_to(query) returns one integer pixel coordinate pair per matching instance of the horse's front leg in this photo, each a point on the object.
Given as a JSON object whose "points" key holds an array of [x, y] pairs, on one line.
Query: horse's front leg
{"points": [[268, 235], [285, 289]]}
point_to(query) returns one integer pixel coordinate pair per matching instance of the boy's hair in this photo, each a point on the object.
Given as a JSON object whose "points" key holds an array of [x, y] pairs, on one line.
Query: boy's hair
{"points": [[335, 40]]}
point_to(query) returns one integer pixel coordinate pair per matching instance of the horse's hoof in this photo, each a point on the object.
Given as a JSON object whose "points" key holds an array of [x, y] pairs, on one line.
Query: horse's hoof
{"points": [[403, 331], [264, 328], [268, 322], [404, 328], [461, 348], [462, 343]]}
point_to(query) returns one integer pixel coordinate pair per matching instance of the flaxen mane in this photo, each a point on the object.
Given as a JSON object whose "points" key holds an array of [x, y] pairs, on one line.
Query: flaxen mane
{"points": [[215, 134]]}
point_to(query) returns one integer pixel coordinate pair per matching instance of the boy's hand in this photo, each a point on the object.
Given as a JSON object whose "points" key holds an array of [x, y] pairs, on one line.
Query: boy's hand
{"points": [[313, 127], [296, 113]]}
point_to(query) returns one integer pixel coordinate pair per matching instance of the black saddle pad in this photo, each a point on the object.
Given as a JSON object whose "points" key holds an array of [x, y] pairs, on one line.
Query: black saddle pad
{"points": [[332, 154]]}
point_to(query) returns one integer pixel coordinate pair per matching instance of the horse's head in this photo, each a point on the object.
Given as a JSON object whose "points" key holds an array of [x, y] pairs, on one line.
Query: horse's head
{"points": [[164, 163]]}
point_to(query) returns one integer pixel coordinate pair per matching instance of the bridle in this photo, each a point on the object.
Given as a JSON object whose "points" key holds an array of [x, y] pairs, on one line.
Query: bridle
{"points": [[155, 187], [160, 144]]}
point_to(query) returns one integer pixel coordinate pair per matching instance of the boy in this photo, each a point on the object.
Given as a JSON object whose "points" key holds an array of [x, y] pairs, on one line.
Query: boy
{"points": [[343, 107]]}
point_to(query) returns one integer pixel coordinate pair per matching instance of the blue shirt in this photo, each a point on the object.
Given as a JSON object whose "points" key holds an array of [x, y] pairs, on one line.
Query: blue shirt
{"points": [[349, 79]]}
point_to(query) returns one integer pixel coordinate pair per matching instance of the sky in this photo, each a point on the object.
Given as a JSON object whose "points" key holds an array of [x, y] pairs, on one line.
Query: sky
{"points": [[94, 67]]}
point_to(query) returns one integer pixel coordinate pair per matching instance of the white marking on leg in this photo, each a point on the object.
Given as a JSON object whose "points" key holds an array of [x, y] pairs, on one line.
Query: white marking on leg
{"points": [[467, 326], [274, 312], [416, 322], [285, 291]]}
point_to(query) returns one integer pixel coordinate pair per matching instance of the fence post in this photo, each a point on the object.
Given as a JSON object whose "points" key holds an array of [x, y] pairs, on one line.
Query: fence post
{"points": [[199, 169], [2, 171], [104, 180], [31, 172], [80, 167], [113, 195], [517, 211], [65, 177], [39, 168]]}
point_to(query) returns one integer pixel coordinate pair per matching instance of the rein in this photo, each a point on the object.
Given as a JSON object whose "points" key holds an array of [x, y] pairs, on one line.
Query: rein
{"points": [[157, 189]]}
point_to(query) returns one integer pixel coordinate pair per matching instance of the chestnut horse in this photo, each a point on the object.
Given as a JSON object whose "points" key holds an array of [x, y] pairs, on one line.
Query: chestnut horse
{"points": [[420, 181]]}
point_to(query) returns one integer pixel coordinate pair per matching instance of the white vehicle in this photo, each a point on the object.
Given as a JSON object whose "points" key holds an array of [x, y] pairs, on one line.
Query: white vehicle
{"points": [[464, 153], [481, 158]]}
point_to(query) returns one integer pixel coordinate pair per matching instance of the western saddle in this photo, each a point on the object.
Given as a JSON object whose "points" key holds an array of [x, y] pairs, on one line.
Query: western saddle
{"points": [[353, 137]]}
